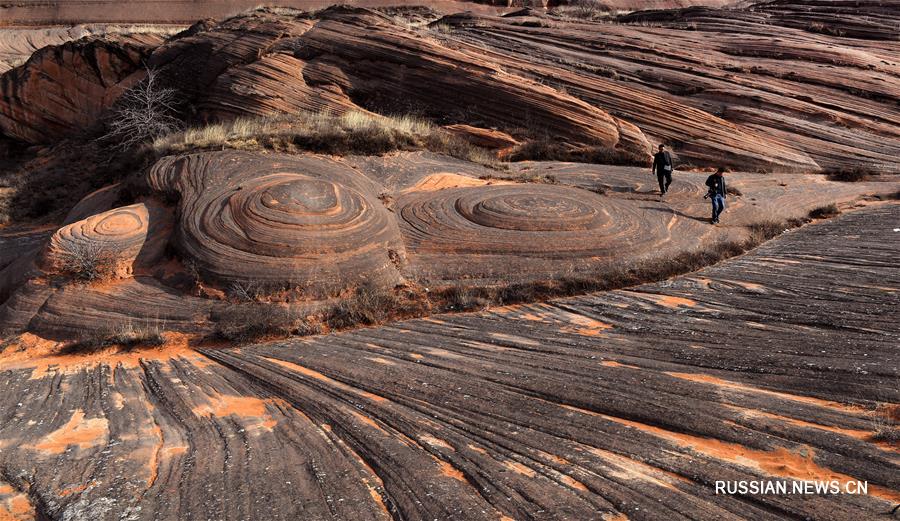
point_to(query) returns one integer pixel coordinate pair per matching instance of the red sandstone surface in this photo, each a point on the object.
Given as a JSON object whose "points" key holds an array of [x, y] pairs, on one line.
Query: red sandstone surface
{"points": [[780, 363]]}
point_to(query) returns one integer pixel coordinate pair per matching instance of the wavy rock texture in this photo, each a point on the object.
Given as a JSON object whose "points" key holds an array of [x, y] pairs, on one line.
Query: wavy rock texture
{"points": [[493, 232], [341, 58], [294, 221], [563, 410], [128, 236], [62, 91], [318, 226], [755, 88]]}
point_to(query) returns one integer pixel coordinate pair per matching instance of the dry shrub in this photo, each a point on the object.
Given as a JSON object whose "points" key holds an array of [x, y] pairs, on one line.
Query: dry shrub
{"points": [[549, 149], [87, 261], [370, 305], [127, 335], [851, 175], [824, 212], [247, 322], [584, 10], [142, 114], [765, 230]]}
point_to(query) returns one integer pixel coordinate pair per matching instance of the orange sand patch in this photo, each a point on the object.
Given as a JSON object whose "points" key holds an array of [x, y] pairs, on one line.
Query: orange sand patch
{"points": [[519, 468], [368, 421], [477, 449], [613, 363], [632, 469], [224, 405], [77, 431], [571, 482], [382, 361], [585, 325], [702, 378], [416, 356], [853, 433], [748, 285], [17, 508], [444, 180], [863, 435], [77, 489], [614, 517], [779, 462], [42, 356], [452, 472], [436, 442], [503, 336], [674, 302], [442, 352]]}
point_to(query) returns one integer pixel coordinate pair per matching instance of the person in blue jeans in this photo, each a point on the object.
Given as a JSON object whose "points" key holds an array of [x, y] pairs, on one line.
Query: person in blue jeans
{"points": [[717, 193]]}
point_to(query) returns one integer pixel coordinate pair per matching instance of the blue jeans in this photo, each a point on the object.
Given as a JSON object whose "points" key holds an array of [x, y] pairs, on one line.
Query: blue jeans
{"points": [[718, 206]]}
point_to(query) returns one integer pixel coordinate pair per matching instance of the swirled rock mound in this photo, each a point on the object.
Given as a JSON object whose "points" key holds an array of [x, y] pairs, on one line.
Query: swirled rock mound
{"points": [[281, 221], [342, 58], [61, 91], [532, 230], [119, 238]]}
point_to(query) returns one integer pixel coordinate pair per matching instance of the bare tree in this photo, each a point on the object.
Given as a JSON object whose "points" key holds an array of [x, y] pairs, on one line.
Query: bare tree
{"points": [[143, 113]]}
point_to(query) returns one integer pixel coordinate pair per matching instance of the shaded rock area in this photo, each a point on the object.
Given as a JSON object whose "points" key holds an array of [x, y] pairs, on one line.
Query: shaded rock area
{"points": [[610, 406], [62, 91]]}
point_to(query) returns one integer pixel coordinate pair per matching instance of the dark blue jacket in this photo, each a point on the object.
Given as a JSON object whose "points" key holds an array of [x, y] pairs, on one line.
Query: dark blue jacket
{"points": [[716, 184]]}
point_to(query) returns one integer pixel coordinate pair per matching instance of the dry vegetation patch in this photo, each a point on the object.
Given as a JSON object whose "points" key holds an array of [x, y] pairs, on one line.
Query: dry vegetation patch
{"points": [[355, 132]]}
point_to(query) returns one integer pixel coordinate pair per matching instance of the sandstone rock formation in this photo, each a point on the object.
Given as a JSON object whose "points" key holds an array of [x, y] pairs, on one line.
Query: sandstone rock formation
{"points": [[341, 58], [62, 91], [124, 238], [532, 230], [741, 87], [303, 221], [594, 407]]}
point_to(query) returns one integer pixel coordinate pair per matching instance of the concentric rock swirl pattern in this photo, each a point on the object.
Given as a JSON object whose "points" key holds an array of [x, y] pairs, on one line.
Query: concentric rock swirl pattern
{"points": [[304, 221], [123, 236], [517, 219]]}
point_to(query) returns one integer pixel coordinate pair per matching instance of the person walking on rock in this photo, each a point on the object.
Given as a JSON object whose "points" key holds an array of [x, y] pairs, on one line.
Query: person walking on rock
{"points": [[716, 194], [662, 167]]}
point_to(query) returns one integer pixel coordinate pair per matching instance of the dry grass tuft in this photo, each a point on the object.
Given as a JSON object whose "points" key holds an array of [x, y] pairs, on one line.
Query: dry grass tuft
{"points": [[851, 175], [824, 212], [126, 335], [248, 322]]}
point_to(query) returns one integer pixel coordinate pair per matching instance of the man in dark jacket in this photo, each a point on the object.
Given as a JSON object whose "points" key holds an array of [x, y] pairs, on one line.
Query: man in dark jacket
{"points": [[717, 193], [662, 167]]}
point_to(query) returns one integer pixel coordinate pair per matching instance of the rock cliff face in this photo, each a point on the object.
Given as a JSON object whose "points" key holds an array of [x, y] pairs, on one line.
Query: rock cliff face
{"points": [[342, 58], [62, 91], [755, 88], [752, 88]]}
